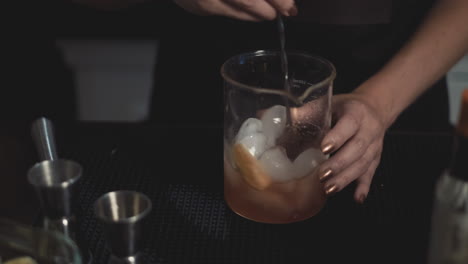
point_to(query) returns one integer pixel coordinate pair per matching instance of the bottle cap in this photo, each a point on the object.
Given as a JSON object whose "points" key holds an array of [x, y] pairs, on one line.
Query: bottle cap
{"points": [[462, 126]]}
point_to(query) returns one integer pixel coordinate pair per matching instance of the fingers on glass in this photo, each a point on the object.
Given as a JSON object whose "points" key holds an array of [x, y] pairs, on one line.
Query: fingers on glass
{"points": [[344, 130], [345, 167]]}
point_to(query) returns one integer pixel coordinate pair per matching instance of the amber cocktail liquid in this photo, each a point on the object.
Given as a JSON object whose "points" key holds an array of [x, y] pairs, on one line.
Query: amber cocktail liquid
{"points": [[272, 136]]}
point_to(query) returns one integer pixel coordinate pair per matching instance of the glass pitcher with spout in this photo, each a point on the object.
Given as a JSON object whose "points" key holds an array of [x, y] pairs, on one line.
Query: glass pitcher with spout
{"points": [[272, 135]]}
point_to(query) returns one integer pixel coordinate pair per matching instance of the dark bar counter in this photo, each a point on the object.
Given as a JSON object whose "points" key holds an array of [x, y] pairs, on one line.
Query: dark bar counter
{"points": [[180, 168]]}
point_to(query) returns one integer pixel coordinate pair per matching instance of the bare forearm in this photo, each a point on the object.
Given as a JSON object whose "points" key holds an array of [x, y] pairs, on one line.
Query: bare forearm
{"points": [[439, 43]]}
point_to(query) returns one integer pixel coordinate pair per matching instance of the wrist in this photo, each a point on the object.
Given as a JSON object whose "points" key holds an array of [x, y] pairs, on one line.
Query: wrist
{"points": [[378, 95]]}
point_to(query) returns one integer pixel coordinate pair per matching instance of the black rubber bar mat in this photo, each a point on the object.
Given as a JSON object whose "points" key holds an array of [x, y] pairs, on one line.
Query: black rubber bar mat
{"points": [[180, 169]]}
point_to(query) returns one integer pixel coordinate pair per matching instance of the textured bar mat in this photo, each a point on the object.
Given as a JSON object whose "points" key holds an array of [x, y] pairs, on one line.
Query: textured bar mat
{"points": [[190, 223]]}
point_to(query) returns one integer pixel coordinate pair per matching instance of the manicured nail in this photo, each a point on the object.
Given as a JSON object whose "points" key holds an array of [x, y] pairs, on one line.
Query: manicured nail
{"points": [[327, 148], [331, 190], [362, 198], [325, 175]]}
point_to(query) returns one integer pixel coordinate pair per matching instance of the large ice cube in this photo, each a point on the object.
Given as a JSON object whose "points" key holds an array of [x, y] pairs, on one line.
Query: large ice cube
{"points": [[276, 164], [249, 127], [255, 143], [274, 122], [307, 161]]}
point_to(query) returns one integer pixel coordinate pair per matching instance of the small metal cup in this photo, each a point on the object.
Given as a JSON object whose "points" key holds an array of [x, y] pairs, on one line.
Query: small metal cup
{"points": [[121, 213], [55, 182]]}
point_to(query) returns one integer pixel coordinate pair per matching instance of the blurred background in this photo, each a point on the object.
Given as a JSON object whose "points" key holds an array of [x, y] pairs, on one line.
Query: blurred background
{"points": [[123, 69], [72, 61]]}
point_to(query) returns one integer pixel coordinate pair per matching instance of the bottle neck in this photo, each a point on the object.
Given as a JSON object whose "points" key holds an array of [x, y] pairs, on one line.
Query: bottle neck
{"points": [[459, 164]]}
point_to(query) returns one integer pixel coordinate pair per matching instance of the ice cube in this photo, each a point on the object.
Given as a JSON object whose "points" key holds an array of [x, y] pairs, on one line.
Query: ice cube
{"points": [[277, 165], [274, 122], [255, 143], [249, 127], [307, 161]]}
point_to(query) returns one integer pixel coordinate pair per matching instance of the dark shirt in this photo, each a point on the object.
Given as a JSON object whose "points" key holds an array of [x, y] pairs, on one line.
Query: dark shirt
{"points": [[345, 12], [357, 36]]}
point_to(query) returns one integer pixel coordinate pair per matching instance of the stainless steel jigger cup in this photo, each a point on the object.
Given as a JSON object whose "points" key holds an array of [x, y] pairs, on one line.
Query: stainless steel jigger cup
{"points": [[121, 213], [55, 182]]}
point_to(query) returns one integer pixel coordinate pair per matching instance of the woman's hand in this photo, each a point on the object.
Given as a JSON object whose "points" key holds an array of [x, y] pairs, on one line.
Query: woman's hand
{"points": [[364, 115], [250, 10], [356, 140]]}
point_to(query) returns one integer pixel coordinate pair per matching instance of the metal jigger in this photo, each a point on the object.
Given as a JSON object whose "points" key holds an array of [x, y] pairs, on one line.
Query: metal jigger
{"points": [[121, 213], [55, 182]]}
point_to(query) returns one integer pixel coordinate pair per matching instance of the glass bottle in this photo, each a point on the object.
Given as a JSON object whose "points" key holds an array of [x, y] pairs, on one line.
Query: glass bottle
{"points": [[449, 230]]}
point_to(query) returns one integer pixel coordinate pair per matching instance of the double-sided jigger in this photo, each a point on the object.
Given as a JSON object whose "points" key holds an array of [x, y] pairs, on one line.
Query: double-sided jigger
{"points": [[55, 182], [121, 214]]}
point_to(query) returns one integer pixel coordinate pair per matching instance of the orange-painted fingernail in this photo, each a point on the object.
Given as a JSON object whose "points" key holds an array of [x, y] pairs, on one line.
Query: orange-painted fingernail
{"points": [[331, 190], [327, 148], [325, 175]]}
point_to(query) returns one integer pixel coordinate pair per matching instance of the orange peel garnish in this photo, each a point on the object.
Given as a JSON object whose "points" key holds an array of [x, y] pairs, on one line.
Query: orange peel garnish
{"points": [[249, 168]]}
